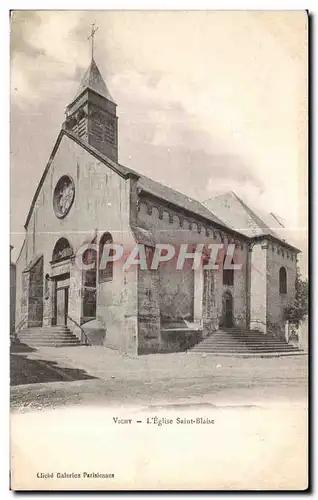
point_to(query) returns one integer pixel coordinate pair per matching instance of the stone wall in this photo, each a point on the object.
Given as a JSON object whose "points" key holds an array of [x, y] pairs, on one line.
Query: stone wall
{"points": [[22, 287], [169, 224], [176, 291], [12, 296], [35, 310], [239, 288], [101, 204], [267, 304], [149, 335], [278, 256], [211, 300], [258, 288]]}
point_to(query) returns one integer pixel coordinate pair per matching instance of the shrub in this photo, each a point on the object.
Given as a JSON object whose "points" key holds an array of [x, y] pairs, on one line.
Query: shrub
{"points": [[296, 312]]}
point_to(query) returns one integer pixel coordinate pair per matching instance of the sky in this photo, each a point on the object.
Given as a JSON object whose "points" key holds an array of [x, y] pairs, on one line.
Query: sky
{"points": [[208, 101]]}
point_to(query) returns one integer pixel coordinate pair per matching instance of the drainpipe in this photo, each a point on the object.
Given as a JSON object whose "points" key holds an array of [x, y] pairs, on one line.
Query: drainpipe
{"points": [[248, 283]]}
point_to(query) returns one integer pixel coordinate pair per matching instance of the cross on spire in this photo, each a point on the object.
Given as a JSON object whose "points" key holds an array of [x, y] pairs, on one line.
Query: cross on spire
{"points": [[92, 37]]}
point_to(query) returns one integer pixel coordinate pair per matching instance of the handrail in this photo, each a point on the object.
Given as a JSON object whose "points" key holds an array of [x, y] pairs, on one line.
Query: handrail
{"points": [[23, 320], [84, 338]]}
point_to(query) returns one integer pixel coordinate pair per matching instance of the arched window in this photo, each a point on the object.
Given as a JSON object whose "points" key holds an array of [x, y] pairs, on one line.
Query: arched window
{"points": [[89, 275], [105, 266], [46, 286], [62, 250], [228, 274], [89, 285], [282, 280]]}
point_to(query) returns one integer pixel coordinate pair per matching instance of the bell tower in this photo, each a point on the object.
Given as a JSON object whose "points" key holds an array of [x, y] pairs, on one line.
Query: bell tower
{"points": [[92, 113]]}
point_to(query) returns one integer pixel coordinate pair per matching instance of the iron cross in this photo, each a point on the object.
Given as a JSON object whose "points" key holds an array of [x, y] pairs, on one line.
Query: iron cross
{"points": [[92, 37]]}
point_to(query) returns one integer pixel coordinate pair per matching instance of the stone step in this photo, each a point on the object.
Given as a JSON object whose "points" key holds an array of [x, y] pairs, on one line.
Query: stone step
{"points": [[28, 340], [48, 329], [48, 341], [243, 351], [236, 349], [246, 336], [250, 344], [214, 340], [234, 340], [48, 337], [242, 345], [250, 335], [55, 336], [53, 344], [261, 338], [44, 334], [245, 346]]}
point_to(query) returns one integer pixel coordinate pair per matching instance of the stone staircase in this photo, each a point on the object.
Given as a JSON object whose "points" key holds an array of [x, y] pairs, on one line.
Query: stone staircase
{"points": [[236, 341], [49, 336]]}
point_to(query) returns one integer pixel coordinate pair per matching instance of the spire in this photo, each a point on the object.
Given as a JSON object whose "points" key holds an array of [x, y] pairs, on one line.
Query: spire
{"points": [[93, 80]]}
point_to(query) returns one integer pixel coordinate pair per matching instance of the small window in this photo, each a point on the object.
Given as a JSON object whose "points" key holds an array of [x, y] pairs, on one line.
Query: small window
{"points": [[105, 271], [150, 251], [228, 274], [282, 280]]}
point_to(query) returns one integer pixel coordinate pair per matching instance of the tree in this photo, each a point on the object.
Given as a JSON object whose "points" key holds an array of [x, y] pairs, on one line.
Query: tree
{"points": [[296, 312]]}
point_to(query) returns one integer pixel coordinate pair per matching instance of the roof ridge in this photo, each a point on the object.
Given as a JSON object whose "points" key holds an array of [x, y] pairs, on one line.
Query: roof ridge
{"points": [[277, 217], [257, 219]]}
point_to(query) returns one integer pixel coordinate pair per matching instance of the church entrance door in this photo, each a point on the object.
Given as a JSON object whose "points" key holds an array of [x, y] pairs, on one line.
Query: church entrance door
{"points": [[61, 306], [60, 303], [228, 310]]}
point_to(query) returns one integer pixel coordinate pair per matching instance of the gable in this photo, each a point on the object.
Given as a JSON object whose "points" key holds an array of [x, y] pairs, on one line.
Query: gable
{"points": [[228, 208], [251, 222], [119, 169]]}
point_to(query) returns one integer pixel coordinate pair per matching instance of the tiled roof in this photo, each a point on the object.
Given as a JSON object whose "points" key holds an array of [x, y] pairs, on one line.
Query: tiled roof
{"points": [[176, 198], [250, 221]]}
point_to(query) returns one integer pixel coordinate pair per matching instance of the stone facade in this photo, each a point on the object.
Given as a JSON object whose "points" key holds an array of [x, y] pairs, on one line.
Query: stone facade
{"points": [[101, 203], [132, 309], [278, 257], [12, 293]]}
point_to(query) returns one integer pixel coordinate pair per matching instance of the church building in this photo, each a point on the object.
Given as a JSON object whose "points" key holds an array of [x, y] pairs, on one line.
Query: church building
{"points": [[87, 200]]}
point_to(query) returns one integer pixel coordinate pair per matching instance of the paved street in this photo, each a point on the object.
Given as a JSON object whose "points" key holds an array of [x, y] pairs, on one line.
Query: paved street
{"points": [[51, 377]]}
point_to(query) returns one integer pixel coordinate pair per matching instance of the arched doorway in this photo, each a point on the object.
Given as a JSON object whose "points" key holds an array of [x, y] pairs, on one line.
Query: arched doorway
{"points": [[227, 309], [60, 265]]}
